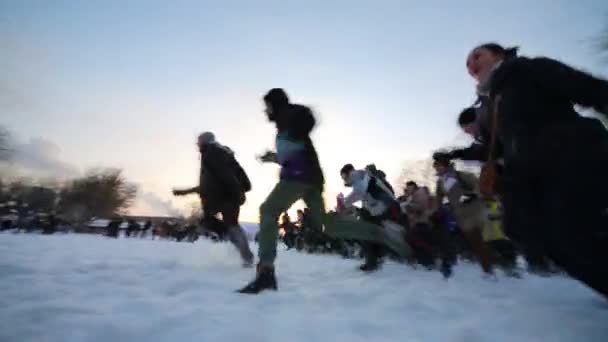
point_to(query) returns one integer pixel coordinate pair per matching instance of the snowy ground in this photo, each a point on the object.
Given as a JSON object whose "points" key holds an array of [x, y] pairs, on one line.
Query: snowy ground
{"points": [[90, 288]]}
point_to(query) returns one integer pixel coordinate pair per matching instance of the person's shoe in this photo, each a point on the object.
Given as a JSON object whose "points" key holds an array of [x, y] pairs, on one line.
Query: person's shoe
{"points": [[370, 266], [264, 280], [446, 270]]}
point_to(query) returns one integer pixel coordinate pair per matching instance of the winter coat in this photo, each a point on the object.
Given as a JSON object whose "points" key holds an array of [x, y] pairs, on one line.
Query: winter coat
{"points": [[295, 151], [534, 98], [550, 151], [375, 196], [222, 180], [418, 208], [462, 191]]}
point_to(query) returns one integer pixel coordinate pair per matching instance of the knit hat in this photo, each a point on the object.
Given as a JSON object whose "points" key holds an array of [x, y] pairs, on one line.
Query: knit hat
{"points": [[441, 158], [206, 138]]}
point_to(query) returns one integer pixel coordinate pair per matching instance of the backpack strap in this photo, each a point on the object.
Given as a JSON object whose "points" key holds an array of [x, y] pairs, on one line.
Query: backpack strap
{"points": [[494, 131]]}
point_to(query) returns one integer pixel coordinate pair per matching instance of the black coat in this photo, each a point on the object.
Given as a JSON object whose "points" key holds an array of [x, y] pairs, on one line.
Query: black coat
{"points": [[555, 163], [219, 176], [535, 99]]}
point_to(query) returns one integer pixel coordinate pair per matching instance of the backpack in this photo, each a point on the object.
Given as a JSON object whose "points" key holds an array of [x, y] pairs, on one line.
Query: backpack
{"points": [[242, 177]]}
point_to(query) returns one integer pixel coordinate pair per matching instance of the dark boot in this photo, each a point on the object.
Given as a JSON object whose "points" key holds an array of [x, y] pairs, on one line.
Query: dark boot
{"points": [[264, 280], [372, 257], [446, 269]]}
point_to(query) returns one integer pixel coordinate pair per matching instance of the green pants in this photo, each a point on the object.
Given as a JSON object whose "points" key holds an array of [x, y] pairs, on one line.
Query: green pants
{"points": [[281, 198], [286, 193]]}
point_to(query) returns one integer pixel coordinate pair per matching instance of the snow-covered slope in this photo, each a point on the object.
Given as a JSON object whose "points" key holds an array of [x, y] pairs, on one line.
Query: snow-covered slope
{"points": [[67, 288]]}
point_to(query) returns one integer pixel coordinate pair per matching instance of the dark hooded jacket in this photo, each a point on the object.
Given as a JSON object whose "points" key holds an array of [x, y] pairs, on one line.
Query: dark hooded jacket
{"points": [[295, 151], [222, 179]]}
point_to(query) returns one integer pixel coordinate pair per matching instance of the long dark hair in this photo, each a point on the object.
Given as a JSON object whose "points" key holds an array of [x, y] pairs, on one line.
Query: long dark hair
{"points": [[497, 49]]}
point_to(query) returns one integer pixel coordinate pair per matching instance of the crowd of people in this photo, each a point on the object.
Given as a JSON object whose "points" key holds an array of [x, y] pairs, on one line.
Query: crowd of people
{"points": [[541, 191]]}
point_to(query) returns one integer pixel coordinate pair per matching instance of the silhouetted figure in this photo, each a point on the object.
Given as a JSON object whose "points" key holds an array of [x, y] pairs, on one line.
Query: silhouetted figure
{"points": [[113, 228], [147, 226], [290, 232], [555, 160], [300, 178], [222, 187]]}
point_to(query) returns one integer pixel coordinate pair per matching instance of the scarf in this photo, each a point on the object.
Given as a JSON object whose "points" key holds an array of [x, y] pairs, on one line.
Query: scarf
{"points": [[483, 87]]}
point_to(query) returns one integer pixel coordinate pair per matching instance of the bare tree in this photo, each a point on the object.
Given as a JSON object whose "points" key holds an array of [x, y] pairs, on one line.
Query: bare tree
{"points": [[420, 171], [41, 199], [34, 197], [423, 173], [5, 150], [101, 193]]}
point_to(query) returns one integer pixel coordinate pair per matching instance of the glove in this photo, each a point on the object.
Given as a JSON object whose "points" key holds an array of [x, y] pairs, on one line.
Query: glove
{"points": [[268, 157], [442, 155], [179, 192]]}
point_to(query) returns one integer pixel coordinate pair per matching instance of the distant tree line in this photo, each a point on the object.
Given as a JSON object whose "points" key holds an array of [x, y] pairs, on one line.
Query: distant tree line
{"points": [[100, 193]]}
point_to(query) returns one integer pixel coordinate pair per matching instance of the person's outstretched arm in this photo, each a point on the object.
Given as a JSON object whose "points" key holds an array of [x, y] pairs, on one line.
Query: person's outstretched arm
{"points": [[183, 192], [580, 87]]}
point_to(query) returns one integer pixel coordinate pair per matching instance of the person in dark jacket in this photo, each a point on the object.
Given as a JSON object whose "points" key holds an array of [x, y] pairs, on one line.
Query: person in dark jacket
{"points": [[222, 187], [146, 228], [555, 160], [301, 177], [479, 150]]}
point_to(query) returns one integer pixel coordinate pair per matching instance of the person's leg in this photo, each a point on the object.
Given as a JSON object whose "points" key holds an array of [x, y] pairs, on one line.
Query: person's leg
{"points": [[506, 250], [237, 235], [372, 256], [522, 218], [280, 199], [283, 196], [313, 198], [471, 221], [349, 228], [475, 240], [444, 241], [371, 250], [505, 256], [574, 237]]}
